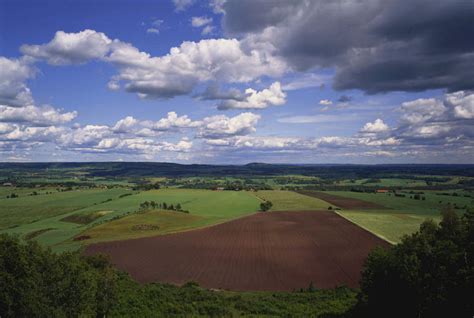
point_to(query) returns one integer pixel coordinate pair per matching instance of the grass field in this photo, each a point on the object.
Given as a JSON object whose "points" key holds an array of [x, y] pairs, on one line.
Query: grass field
{"points": [[205, 207], [289, 200], [402, 215], [26, 208], [149, 223]]}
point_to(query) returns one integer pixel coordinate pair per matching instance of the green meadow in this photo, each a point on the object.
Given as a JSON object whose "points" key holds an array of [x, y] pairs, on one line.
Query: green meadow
{"points": [[30, 208], [49, 219], [400, 215]]}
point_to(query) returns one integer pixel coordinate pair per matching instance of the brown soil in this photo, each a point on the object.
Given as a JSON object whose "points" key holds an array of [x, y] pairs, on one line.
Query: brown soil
{"points": [[264, 251], [343, 202]]}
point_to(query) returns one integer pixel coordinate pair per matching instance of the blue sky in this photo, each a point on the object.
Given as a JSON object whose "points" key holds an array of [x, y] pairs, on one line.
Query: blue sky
{"points": [[235, 81]]}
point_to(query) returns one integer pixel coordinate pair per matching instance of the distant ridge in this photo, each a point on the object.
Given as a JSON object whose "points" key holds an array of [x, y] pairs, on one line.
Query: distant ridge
{"points": [[167, 169]]}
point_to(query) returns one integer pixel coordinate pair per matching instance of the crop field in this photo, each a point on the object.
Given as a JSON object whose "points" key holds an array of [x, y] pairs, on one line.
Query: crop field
{"points": [[53, 219], [342, 201], [145, 224], [398, 216], [291, 201], [264, 251], [30, 208]]}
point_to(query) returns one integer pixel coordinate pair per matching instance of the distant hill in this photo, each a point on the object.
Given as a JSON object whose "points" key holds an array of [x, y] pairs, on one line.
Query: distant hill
{"points": [[164, 169]]}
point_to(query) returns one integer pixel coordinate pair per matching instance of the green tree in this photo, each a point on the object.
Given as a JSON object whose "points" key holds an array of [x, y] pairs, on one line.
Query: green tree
{"points": [[265, 206], [429, 274]]}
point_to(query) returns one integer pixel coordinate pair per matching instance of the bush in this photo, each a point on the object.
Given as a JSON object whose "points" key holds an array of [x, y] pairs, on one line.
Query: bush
{"points": [[265, 206]]}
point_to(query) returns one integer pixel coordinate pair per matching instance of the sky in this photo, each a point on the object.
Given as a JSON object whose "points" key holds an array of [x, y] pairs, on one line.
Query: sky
{"points": [[237, 81]]}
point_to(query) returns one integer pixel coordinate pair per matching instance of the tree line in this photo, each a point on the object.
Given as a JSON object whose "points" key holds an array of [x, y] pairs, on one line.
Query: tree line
{"points": [[152, 205]]}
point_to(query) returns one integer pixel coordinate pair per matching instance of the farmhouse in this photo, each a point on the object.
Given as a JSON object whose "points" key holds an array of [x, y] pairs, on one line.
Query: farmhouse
{"points": [[381, 191]]}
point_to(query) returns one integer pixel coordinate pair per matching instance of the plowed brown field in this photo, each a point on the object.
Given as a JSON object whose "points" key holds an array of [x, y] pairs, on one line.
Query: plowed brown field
{"points": [[264, 251], [343, 202]]}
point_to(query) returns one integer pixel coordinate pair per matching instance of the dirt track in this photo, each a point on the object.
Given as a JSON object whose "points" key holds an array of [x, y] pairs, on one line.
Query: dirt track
{"points": [[343, 202], [265, 251]]}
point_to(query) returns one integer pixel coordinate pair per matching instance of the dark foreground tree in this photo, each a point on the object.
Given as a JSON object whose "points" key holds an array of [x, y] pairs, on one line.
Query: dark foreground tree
{"points": [[429, 274], [38, 283]]}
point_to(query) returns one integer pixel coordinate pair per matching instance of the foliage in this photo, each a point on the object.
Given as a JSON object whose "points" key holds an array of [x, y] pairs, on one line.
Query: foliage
{"points": [[38, 283], [429, 274], [152, 205], [266, 205]]}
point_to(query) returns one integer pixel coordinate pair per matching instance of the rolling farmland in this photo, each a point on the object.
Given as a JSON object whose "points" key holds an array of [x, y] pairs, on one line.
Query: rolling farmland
{"points": [[266, 251]]}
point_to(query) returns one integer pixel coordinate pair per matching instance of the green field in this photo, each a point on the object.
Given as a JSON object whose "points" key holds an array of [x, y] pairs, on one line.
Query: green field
{"points": [[149, 223], [402, 215], [27, 208], [47, 225], [291, 201]]}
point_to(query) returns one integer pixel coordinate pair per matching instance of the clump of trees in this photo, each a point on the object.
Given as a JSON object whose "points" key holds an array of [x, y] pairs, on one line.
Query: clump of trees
{"points": [[429, 274], [147, 186], [12, 196], [152, 205], [38, 283], [265, 206]]}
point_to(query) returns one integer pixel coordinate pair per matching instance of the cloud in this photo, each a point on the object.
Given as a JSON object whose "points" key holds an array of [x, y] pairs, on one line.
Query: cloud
{"points": [[167, 76], [125, 125], [33, 134], [313, 119], [378, 126], [208, 29], [463, 104], [271, 96], [305, 80], [390, 46], [437, 122], [203, 22], [344, 99], [155, 26], [141, 146], [198, 22], [325, 102], [70, 48], [13, 76], [182, 5], [178, 72], [153, 30], [213, 92], [422, 110], [41, 116], [220, 126], [173, 121]]}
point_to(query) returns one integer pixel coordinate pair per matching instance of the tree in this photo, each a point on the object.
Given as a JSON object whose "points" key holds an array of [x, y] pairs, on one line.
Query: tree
{"points": [[429, 274], [265, 206], [38, 283], [178, 207]]}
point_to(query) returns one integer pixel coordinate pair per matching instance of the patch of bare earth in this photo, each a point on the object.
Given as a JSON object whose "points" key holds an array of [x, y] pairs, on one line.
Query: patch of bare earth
{"points": [[343, 202], [264, 251]]}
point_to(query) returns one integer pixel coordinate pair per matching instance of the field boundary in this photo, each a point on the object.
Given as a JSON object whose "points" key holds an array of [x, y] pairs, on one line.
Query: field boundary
{"points": [[366, 229]]}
